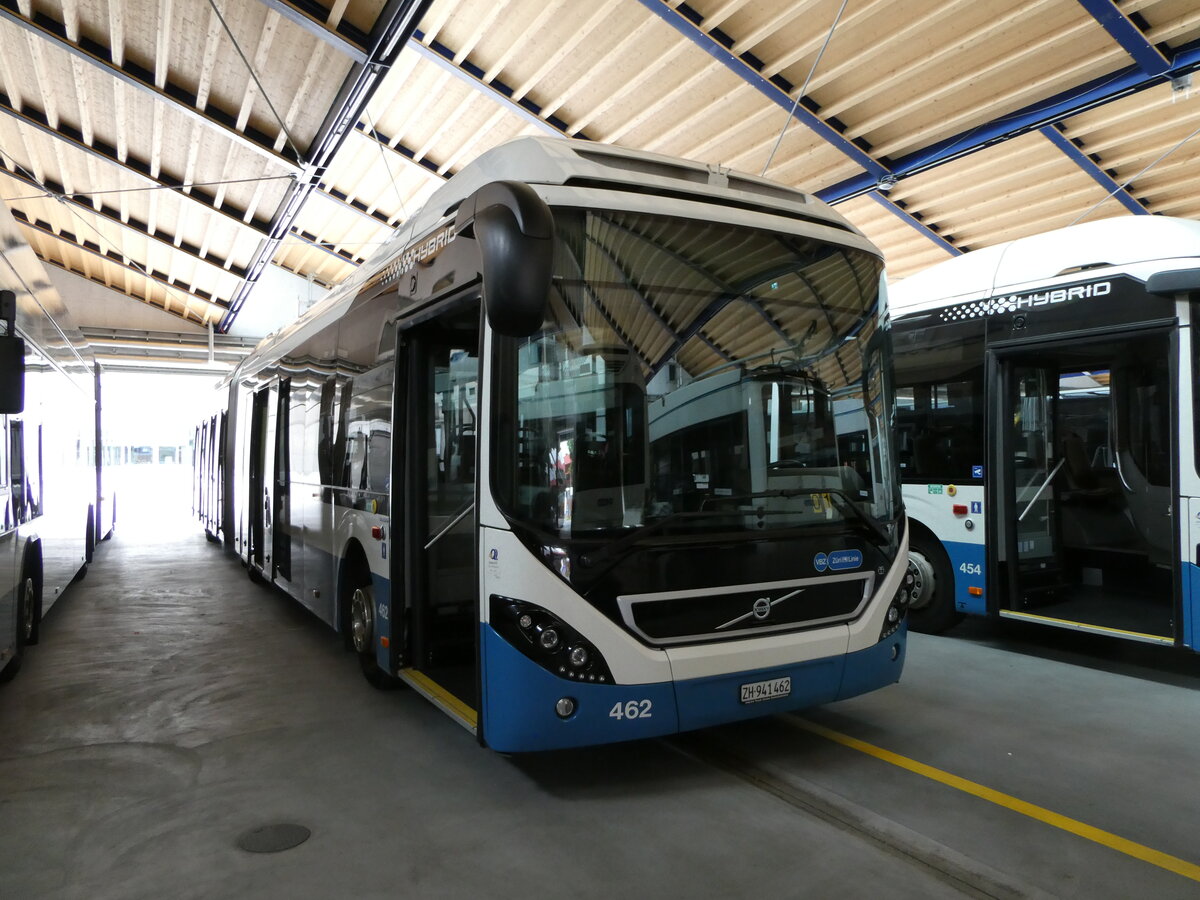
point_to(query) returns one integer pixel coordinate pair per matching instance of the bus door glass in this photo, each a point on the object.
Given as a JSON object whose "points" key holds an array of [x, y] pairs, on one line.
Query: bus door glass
{"points": [[281, 531], [258, 493], [1035, 468], [444, 582]]}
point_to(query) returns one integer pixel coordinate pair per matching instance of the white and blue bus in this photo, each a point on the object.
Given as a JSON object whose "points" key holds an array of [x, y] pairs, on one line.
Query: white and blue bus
{"points": [[53, 506], [1046, 428], [485, 459]]}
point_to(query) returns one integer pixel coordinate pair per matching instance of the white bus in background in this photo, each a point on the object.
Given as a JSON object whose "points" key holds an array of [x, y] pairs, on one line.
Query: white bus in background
{"points": [[1047, 431], [53, 505], [449, 459]]}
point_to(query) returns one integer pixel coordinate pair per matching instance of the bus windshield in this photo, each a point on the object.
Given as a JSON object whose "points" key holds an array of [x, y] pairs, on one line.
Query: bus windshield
{"points": [[698, 377]]}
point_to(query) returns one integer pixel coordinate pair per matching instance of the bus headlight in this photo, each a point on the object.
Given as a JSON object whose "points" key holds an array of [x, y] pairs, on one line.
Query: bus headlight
{"points": [[549, 642], [896, 609]]}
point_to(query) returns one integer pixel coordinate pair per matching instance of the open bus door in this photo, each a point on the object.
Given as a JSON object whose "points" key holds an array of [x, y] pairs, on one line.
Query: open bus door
{"points": [[438, 463], [259, 485], [1082, 486]]}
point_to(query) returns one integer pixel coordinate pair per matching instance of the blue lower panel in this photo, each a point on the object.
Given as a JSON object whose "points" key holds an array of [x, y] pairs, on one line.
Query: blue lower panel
{"points": [[382, 588], [519, 697], [967, 563], [1191, 605]]}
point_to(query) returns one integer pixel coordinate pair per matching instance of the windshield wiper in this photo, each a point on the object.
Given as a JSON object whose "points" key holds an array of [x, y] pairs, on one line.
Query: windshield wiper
{"points": [[842, 501]]}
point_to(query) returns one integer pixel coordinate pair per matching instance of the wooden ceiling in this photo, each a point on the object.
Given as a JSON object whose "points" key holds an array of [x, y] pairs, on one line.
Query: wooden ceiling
{"points": [[171, 150]]}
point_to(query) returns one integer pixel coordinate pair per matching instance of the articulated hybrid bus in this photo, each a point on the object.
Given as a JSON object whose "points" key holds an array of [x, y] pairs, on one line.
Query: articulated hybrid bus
{"points": [[1047, 431], [52, 505], [490, 459]]}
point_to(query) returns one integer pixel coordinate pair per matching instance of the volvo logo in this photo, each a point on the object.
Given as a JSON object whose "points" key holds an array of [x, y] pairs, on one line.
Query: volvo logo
{"points": [[761, 609]]}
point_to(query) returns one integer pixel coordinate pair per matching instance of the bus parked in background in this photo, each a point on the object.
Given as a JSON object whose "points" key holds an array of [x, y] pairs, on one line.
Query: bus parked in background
{"points": [[53, 506], [488, 459], [1047, 431]]}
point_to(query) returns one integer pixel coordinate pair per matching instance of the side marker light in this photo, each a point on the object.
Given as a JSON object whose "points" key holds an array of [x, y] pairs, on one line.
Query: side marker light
{"points": [[975, 591]]}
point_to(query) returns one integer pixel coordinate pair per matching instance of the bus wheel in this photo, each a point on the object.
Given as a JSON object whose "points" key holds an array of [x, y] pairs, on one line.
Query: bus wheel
{"points": [[931, 597], [26, 612], [362, 638]]}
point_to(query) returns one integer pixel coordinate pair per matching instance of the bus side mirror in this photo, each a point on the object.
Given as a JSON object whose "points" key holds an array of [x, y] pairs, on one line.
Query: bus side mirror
{"points": [[515, 232], [1176, 281], [12, 359]]}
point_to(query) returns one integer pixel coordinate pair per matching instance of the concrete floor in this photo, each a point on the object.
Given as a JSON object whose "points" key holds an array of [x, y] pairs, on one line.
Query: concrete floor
{"points": [[173, 706]]}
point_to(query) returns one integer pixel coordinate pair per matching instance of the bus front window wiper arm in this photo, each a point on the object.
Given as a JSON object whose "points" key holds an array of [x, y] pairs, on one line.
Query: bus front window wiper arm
{"points": [[844, 504]]}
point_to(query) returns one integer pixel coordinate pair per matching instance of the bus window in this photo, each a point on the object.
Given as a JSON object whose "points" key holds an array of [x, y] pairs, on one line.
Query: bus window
{"points": [[368, 432]]}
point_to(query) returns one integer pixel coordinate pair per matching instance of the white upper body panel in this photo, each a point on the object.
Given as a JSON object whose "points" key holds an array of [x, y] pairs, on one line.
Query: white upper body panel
{"points": [[1067, 254]]}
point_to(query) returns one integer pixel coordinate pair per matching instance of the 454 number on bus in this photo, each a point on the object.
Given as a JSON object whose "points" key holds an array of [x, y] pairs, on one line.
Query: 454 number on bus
{"points": [[971, 569], [631, 709]]}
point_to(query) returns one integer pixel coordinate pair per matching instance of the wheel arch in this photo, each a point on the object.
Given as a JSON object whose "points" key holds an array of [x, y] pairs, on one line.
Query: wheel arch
{"points": [[31, 561], [353, 566]]}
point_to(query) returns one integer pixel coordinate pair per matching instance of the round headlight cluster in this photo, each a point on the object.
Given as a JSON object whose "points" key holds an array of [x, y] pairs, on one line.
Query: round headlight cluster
{"points": [[897, 608], [548, 641]]}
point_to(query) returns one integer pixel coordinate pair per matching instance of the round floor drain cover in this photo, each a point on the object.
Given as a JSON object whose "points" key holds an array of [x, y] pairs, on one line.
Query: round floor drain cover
{"points": [[273, 838]]}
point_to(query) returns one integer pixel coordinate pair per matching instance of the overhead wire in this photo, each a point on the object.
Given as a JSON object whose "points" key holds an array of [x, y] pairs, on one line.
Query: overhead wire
{"points": [[182, 188], [183, 298], [804, 87], [1131, 180], [262, 90], [386, 163]]}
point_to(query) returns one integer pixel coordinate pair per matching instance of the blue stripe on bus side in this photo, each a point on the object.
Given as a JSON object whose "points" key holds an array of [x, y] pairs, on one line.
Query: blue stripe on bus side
{"points": [[382, 588], [968, 566], [1191, 605]]}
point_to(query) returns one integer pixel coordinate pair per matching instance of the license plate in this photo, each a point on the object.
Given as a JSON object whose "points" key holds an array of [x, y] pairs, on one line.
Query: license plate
{"points": [[766, 690]]}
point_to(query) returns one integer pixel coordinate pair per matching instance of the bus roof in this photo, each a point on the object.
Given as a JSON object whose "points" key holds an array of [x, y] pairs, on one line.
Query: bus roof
{"points": [[1048, 257], [540, 160]]}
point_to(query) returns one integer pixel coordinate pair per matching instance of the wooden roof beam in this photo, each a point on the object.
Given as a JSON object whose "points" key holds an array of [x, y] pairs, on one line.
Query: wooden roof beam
{"points": [[175, 96]]}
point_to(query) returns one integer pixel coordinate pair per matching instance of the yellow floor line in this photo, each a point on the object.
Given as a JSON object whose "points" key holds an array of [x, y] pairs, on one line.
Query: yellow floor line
{"points": [[1083, 830], [1083, 626]]}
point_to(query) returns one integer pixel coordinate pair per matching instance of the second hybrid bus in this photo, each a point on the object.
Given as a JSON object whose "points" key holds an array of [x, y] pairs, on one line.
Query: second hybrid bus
{"points": [[488, 462], [1047, 431]]}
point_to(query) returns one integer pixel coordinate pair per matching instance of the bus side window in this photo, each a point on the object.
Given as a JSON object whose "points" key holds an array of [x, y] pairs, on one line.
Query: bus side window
{"points": [[325, 431], [341, 445], [20, 494]]}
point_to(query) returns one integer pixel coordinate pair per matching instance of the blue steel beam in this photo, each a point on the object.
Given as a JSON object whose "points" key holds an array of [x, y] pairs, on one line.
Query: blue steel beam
{"points": [[1148, 57], [1101, 177], [909, 219], [394, 27], [776, 89], [312, 20], [1053, 110], [406, 153]]}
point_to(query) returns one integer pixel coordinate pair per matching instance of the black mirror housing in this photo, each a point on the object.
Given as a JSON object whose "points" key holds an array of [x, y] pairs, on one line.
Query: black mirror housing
{"points": [[1176, 281], [12, 374], [515, 232]]}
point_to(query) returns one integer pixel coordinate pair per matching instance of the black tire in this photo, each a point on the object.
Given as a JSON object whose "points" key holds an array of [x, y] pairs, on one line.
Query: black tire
{"points": [[27, 608], [931, 597], [360, 632]]}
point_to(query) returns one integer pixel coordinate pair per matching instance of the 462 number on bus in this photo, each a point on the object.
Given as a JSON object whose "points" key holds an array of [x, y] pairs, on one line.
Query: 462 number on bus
{"points": [[631, 709]]}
